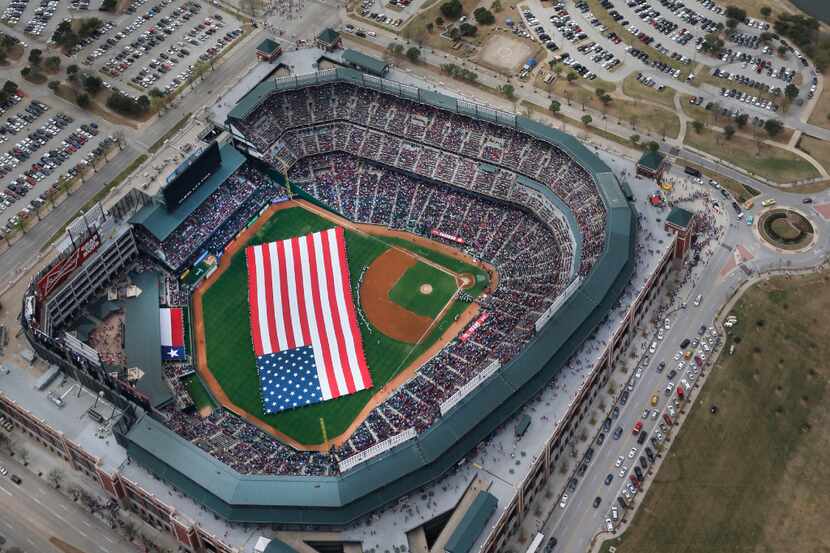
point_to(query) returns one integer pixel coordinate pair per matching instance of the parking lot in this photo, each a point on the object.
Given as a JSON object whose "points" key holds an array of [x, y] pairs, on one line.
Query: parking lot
{"points": [[39, 146], [159, 45]]}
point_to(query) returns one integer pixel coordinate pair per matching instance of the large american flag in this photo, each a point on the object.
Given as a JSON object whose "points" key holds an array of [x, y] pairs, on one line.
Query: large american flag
{"points": [[306, 338]]}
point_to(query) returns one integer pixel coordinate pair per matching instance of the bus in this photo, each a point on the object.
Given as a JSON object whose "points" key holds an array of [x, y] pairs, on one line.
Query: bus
{"points": [[536, 543]]}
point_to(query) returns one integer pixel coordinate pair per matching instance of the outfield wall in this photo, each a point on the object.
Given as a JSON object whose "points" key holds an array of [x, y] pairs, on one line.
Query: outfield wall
{"points": [[340, 500]]}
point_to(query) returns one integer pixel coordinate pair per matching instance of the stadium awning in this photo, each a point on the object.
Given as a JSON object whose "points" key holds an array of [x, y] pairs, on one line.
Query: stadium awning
{"points": [[473, 523]]}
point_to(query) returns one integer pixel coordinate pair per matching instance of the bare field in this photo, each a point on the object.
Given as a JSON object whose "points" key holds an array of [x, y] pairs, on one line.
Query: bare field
{"points": [[504, 53]]}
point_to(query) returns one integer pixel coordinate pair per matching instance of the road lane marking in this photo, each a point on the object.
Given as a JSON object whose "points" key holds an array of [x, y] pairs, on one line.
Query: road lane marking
{"points": [[7, 492], [81, 532], [109, 539], [36, 500], [64, 507], [86, 523]]}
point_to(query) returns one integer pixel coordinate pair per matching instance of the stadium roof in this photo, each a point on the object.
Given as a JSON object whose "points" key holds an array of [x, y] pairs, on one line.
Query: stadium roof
{"points": [[161, 223], [679, 217], [473, 523], [365, 63], [339, 500], [142, 341]]}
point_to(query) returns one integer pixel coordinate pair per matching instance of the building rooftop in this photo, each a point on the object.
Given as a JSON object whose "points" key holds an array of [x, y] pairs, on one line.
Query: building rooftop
{"points": [[679, 217], [365, 63], [72, 419], [651, 160], [328, 36], [268, 46], [473, 523]]}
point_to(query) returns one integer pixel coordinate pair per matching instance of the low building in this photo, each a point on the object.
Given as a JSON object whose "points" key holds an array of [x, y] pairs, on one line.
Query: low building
{"points": [[682, 223], [366, 64], [651, 164], [268, 50], [329, 40]]}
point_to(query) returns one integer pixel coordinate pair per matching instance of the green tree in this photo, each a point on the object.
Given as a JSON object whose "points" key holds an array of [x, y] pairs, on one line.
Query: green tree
{"points": [[452, 9], [52, 64], [729, 131], [93, 84], [773, 127], [508, 91], [35, 57], [697, 126], [555, 107], [430, 27], [731, 23], [414, 54], [766, 11], [572, 76], [782, 50], [109, 5], [467, 29], [26, 72], [395, 48], [605, 99], [635, 139], [483, 16], [600, 92], [586, 120], [53, 85], [439, 21], [496, 6], [741, 120], [652, 146], [734, 12], [84, 101], [791, 92]]}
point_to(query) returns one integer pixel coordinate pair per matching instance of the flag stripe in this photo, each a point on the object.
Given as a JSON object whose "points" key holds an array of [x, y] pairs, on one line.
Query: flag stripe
{"points": [[337, 320], [324, 373], [276, 289], [304, 336], [267, 277], [347, 294], [262, 303], [354, 349], [166, 333], [177, 326], [340, 368], [287, 315], [253, 300], [310, 269]]}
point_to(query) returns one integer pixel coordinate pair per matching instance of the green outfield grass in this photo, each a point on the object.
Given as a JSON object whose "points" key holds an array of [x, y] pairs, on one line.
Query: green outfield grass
{"points": [[200, 395], [230, 352], [406, 291]]}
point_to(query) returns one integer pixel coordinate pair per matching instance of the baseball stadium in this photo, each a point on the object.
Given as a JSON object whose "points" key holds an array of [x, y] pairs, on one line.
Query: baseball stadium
{"points": [[451, 258]]}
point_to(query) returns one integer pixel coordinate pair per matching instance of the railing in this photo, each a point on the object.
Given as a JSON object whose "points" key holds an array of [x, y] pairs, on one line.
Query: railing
{"points": [[462, 392], [376, 449]]}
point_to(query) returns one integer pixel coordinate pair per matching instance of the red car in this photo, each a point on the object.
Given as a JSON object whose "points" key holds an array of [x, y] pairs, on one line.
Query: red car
{"points": [[637, 427], [634, 480], [680, 392], [667, 418]]}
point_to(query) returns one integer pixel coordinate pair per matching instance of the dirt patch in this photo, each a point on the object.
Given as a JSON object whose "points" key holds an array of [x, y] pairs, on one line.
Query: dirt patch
{"points": [[504, 53], [425, 289], [387, 316]]}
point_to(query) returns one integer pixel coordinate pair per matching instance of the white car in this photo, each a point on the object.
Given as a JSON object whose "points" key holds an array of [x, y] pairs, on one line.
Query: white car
{"points": [[619, 462], [652, 348], [660, 334], [3, 470], [678, 355], [564, 501], [639, 372], [623, 471], [632, 452], [609, 525], [615, 514], [667, 324]]}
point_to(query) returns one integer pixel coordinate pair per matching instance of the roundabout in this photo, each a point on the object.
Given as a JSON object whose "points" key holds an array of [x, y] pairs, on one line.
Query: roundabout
{"points": [[787, 230]]}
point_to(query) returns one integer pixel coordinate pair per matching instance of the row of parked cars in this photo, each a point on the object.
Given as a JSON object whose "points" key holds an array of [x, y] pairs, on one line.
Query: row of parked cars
{"points": [[17, 123]]}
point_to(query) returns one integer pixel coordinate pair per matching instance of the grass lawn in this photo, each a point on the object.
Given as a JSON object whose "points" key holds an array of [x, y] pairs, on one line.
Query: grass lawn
{"points": [[773, 163], [754, 478], [230, 354], [818, 149], [406, 291], [821, 112], [634, 89], [200, 395]]}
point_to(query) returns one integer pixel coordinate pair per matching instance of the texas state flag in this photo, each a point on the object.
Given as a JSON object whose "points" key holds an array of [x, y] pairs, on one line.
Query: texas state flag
{"points": [[172, 334]]}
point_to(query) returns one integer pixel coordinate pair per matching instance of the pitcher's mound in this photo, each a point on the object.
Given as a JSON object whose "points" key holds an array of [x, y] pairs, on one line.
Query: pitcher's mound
{"points": [[425, 289]]}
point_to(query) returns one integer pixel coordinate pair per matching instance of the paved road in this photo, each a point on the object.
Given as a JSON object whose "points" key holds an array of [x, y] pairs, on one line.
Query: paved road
{"points": [[40, 512]]}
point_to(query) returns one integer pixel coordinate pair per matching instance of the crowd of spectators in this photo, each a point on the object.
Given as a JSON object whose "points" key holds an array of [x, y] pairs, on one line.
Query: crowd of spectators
{"points": [[219, 218], [107, 339], [459, 150]]}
